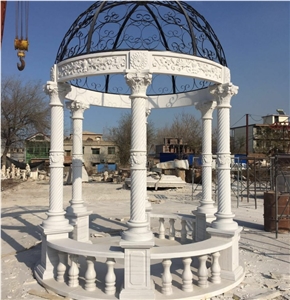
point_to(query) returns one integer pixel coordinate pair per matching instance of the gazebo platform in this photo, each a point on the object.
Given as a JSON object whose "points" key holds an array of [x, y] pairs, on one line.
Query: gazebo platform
{"points": [[180, 268]]}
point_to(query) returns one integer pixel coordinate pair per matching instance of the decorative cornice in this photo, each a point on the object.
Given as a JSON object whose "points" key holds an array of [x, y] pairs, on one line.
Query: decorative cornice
{"points": [[189, 66], [157, 62], [92, 66]]}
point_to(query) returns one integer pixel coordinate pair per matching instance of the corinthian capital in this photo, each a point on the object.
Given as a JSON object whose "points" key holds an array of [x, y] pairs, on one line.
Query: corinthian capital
{"points": [[206, 109], [224, 93], [77, 108], [57, 91], [138, 82]]}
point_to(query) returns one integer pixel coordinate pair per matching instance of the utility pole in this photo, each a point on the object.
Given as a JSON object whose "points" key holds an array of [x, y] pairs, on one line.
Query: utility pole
{"points": [[247, 134]]}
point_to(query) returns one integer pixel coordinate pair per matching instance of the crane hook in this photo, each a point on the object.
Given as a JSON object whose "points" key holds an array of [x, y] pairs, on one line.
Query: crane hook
{"points": [[22, 65]]}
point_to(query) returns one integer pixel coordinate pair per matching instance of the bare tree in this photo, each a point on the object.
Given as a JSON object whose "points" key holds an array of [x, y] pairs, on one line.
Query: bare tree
{"points": [[24, 111], [121, 136], [184, 126]]}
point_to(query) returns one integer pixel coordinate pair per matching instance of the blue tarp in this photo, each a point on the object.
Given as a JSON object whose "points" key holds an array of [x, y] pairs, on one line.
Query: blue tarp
{"points": [[106, 167]]}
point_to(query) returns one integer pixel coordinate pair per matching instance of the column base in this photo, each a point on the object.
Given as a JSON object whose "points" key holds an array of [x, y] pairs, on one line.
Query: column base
{"points": [[229, 258], [137, 232], [132, 294], [225, 222], [80, 223], [55, 224], [210, 211]]}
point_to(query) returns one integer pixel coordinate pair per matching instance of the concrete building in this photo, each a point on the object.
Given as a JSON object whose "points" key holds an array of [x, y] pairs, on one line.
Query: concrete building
{"points": [[37, 148], [273, 133], [98, 155], [173, 145]]}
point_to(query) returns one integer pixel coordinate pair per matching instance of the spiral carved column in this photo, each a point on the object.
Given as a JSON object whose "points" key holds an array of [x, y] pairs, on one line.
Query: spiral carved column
{"points": [[77, 212], [56, 220], [138, 239], [56, 225], [138, 223], [224, 214], [206, 204], [147, 203]]}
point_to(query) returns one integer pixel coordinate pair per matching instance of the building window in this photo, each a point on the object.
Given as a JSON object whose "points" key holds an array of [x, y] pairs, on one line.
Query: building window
{"points": [[67, 152], [95, 150], [111, 150]]}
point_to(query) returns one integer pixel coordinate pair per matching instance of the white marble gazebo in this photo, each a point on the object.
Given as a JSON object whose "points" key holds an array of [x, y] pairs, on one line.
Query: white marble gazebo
{"points": [[88, 75]]}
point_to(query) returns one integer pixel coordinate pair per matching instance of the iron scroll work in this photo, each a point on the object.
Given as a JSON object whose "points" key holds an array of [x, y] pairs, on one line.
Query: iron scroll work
{"points": [[173, 26]]}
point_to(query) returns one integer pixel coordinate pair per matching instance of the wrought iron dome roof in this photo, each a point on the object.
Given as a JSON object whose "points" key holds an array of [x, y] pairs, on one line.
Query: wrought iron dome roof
{"points": [[141, 25]]}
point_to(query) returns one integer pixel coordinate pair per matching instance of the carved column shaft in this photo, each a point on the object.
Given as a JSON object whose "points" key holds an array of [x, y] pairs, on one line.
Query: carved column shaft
{"points": [[138, 223], [56, 213], [77, 110], [224, 215], [206, 203]]}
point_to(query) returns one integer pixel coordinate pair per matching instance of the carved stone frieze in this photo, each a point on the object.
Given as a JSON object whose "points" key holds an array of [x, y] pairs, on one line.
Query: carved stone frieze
{"points": [[138, 82], [91, 66], [138, 160], [187, 66], [52, 73], [138, 61]]}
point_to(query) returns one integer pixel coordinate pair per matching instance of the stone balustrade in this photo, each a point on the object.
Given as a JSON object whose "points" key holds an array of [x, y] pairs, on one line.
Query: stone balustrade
{"points": [[174, 226], [180, 267]]}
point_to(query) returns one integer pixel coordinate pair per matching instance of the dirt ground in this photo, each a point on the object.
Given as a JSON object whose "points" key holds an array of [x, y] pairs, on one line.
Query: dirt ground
{"points": [[266, 258]]}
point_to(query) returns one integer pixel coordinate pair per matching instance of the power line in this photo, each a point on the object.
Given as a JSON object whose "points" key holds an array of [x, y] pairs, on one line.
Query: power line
{"points": [[238, 121]]}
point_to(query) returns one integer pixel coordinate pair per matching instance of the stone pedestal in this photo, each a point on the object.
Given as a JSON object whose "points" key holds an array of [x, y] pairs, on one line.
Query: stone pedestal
{"points": [[137, 280], [201, 220], [229, 258]]}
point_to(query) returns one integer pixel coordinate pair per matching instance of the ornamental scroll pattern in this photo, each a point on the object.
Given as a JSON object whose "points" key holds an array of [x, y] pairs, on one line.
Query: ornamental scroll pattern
{"points": [[56, 159], [189, 66], [138, 160], [224, 160], [92, 65]]}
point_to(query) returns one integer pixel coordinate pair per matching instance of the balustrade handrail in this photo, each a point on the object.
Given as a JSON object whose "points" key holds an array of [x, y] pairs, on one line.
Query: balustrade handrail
{"points": [[71, 246], [211, 245], [173, 216]]}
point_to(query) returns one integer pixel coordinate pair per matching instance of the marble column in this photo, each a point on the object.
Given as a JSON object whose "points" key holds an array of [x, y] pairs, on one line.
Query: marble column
{"points": [[138, 223], [207, 204], [224, 216], [56, 226], [147, 203], [206, 209], [56, 220], [77, 212], [138, 239]]}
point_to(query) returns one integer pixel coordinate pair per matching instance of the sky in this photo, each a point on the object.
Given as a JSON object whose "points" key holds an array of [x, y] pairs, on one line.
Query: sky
{"points": [[255, 36]]}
